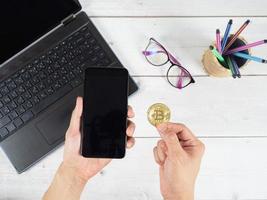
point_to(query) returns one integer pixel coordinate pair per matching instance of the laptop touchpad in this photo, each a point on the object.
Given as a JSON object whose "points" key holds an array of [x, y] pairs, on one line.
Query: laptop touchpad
{"points": [[54, 126]]}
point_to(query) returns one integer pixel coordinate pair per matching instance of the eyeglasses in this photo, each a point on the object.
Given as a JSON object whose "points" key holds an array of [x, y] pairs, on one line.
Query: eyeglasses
{"points": [[158, 56]]}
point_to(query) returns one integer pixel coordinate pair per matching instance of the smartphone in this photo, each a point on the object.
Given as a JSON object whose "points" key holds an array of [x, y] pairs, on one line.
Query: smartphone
{"points": [[105, 105]]}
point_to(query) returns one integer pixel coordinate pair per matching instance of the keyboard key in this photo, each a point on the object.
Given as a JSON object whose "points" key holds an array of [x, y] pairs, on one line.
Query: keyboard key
{"points": [[94, 59], [42, 75], [76, 82], [63, 61], [27, 95], [49, 70], [34, 90], [4, 90], [10, 127], [5, 110], [50, 91], [12, 105], [26, 76], [2, 84], [42, 95], [47, 61], [35, 100], [13, 115], [55, 76], [84, 28], [97, 48], [28, 105], [40, 66], [3, 121], [70, 76], [92, 41], [41, 86], [63, 80], [3, 132], [101, 54], [18, 122], [105, 62], [88, 35], [28, 85], [13, 94], [6, 99], [33, 71], [18, 80], [20, 110], [27, 116], [20, 90], [56, 86], [35, 80], [20, 100], [12, 85], [22, 71]]}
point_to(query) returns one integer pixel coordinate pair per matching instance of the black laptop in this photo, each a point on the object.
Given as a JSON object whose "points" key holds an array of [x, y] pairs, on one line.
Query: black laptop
{"points": [[45, 46]]}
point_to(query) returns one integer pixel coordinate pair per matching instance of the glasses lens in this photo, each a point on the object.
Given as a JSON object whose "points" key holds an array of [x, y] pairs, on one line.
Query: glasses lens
{"points": [[155, 54], [178, 77]]}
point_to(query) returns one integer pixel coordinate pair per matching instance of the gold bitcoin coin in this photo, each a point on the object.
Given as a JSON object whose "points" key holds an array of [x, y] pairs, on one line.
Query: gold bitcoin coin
{"points": [[158, 113]]}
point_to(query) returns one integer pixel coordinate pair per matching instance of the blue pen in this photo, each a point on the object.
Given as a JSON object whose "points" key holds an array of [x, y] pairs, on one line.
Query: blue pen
{"points": [[226, 34], [236, 68], [249, 57]]}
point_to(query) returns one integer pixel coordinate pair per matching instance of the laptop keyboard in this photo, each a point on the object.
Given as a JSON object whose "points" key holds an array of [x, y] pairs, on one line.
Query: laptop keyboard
{"points": [[46, 79]]}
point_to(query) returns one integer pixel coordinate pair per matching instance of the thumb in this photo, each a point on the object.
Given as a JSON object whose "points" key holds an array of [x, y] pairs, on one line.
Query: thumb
{"points": [[171, 139], [75, 121]]}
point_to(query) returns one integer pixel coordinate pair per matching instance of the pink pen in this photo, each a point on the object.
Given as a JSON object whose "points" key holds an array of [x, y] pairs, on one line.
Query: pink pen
{"points": [[245, 47], [218, 41]]}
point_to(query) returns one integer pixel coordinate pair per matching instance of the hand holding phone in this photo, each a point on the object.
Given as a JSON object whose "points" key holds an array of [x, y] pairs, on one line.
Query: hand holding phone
{"points": [[105, 113]]}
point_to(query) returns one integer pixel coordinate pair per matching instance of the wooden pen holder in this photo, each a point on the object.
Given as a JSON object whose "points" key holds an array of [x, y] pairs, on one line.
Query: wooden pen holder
{"points": [[215, 68]]}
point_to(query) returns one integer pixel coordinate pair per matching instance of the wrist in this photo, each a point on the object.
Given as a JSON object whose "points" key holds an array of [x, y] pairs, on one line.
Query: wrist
{"points": [[66, 185], [181, 197], [70, 176], [189, 195]]}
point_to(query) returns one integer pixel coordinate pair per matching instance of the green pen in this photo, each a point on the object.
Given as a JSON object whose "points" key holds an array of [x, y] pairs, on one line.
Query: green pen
{"points": [[217, 55], [230, 64]]}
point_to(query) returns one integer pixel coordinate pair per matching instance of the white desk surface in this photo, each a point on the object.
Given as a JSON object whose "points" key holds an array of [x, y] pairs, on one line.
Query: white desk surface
{"points": [[230, 116]]}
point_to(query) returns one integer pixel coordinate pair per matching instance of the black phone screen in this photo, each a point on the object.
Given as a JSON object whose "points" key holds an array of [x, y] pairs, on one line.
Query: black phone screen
{"points": [[105, 112]]}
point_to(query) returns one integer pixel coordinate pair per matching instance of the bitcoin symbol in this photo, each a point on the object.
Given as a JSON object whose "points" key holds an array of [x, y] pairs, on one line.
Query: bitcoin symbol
{"points": [[158, 113]]}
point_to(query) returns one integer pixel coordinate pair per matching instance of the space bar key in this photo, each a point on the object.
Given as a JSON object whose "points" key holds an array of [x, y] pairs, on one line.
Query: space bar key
{"points": [[51, 99]]}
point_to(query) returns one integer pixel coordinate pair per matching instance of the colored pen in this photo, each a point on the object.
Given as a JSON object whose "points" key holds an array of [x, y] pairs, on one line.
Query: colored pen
{"points": [[245, 47], [249, 57], [236, 35], [218, 41], [236, 68], [231, 67], [217, 54], [226, 34]]}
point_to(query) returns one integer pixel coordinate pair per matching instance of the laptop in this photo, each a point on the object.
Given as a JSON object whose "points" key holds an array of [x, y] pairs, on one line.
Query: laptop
{"points": [[45, 46]]}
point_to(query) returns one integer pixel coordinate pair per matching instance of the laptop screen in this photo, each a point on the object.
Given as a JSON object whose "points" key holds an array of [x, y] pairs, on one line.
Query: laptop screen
{"points": [[24, 21]]}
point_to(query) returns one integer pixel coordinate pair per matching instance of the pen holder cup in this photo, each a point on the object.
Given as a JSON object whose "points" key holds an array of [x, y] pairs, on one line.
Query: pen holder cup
{"points": [[215, 68]]}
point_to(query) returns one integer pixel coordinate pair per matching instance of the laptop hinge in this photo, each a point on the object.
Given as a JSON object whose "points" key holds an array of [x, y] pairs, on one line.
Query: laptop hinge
{"points": [[68, 19]]}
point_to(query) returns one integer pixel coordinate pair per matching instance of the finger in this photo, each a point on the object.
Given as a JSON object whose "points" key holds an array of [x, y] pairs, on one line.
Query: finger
{"points": [[130, 129], [170, 137], [130, 113], [130, 142], [156, 157], [75, 121], [161, 147], [182, 131]]}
